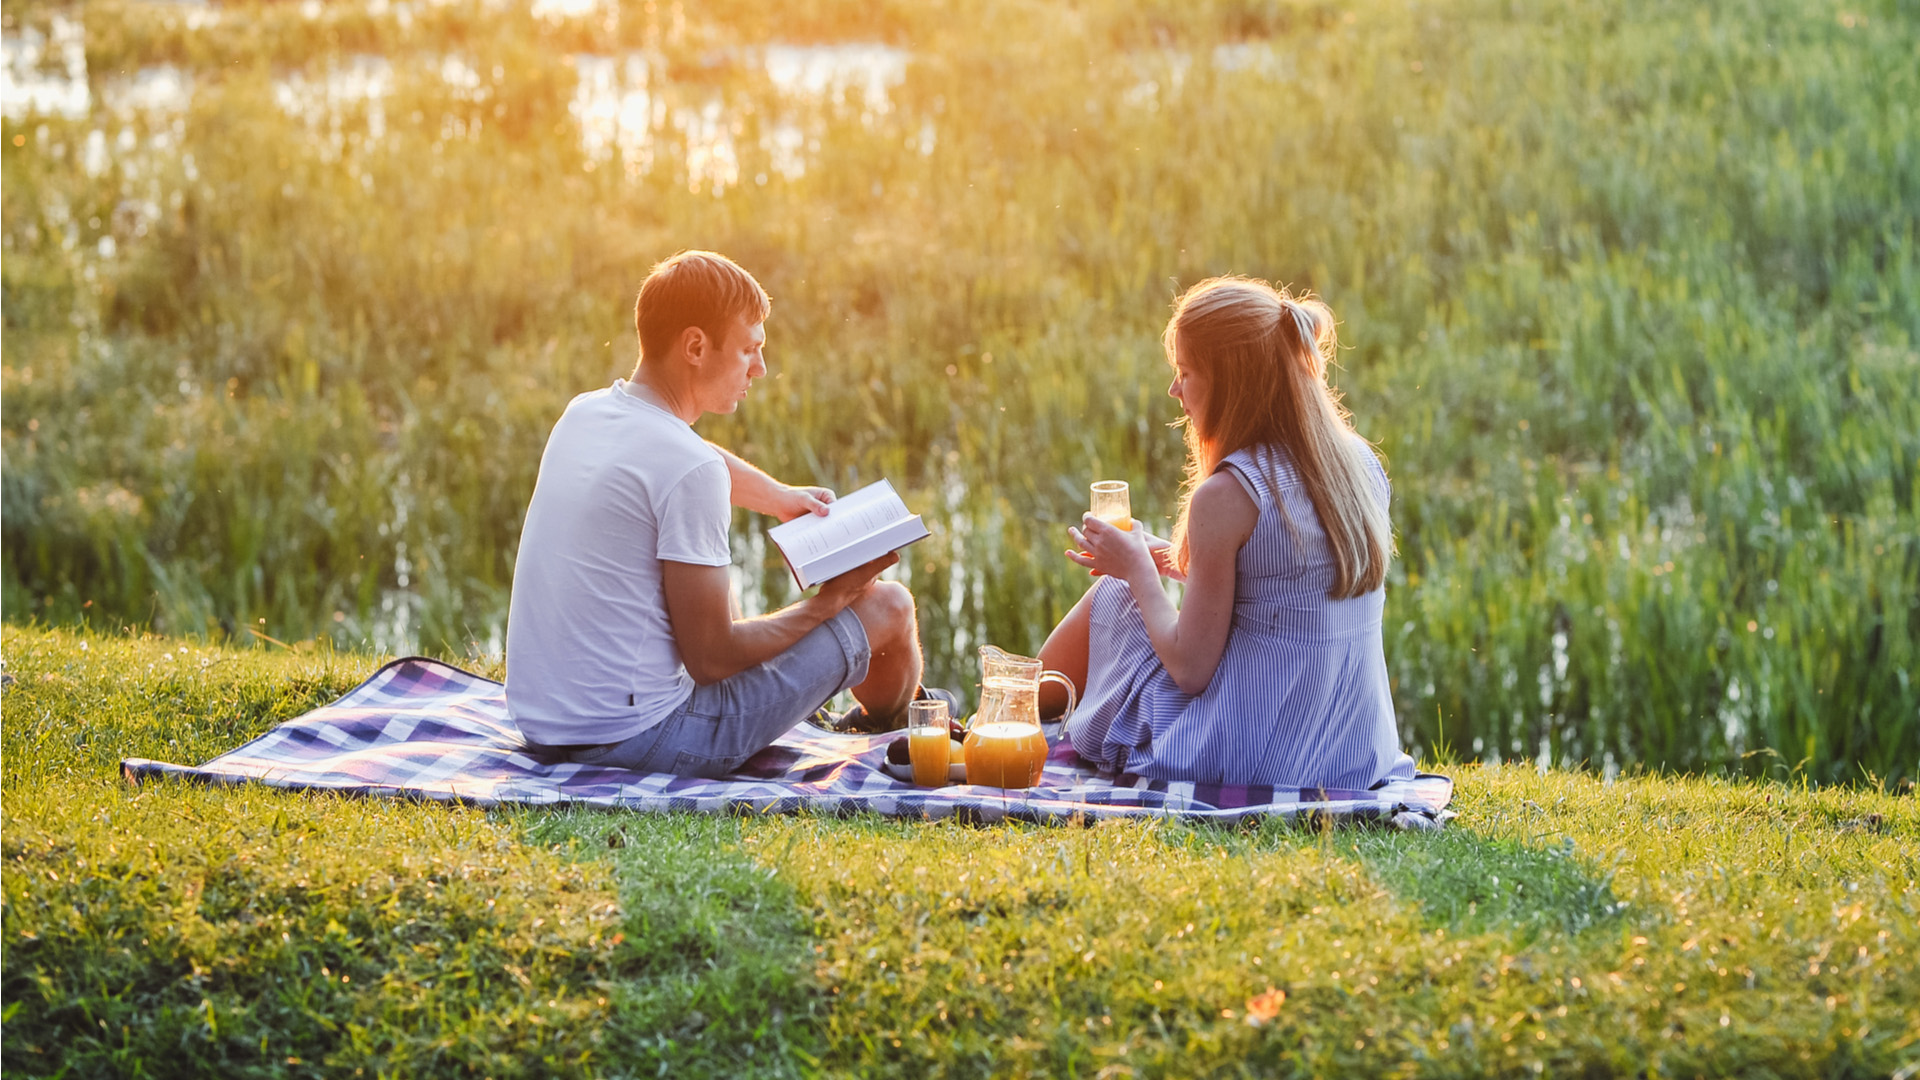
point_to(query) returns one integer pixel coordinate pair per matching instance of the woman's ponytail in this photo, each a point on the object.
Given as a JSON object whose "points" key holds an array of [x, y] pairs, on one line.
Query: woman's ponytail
{"points": [[1264, 353]]}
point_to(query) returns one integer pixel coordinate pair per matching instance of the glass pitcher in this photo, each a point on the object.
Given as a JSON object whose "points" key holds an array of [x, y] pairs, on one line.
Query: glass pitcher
{"points": [[1010, 688], [1005, 745]]}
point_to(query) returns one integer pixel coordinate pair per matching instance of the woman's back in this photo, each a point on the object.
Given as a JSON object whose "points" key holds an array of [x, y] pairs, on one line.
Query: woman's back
{"points": [[1284, 571], [1300, 697]]}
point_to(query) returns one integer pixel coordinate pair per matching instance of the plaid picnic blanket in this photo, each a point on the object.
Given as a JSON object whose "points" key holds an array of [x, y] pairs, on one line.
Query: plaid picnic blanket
{"points": [[422, 729]]}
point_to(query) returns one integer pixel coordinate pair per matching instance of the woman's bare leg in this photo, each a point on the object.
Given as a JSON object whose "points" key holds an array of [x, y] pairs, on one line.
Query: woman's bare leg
{"points": [[1066, 652]]}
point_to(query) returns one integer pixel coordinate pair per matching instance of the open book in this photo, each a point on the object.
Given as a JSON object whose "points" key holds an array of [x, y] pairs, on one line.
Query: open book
{"points": [[858, 528]]}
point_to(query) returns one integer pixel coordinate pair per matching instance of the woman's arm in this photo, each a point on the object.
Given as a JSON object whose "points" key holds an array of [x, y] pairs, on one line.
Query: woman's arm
{"points": [[1190, 639]]}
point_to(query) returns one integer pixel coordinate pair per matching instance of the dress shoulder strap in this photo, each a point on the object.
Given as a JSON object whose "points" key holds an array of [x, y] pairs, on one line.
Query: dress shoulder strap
{"points": [[1265, 470]]}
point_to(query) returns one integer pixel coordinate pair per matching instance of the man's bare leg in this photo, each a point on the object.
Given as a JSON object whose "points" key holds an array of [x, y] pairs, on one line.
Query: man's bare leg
{"points": [[1066, 652], [893, 634]]}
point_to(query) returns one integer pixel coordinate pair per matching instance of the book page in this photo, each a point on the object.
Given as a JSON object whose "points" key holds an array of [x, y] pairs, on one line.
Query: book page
{"points": [[863, 513], [871, 546]]}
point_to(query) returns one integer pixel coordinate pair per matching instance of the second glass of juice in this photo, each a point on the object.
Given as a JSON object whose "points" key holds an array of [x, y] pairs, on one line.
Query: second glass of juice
{"points": [[928, 744], [1112, 505]]}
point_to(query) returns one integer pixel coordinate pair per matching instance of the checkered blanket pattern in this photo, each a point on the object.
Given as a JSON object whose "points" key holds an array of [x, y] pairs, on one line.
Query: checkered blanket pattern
{"points": [[421, 729]]}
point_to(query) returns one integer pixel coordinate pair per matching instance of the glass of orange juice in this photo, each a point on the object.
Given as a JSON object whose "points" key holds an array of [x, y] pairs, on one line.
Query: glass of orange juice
{"points": [[1111, 504], [929, 746]]}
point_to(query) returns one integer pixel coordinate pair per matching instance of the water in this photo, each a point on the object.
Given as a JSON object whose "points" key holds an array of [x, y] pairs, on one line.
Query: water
{"points": [[358, 80], [615, 109], [557, 10], [622, 104], [45, 74], [814, 71]]}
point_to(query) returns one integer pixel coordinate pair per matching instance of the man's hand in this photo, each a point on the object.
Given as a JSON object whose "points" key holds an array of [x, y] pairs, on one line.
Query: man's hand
{"points": [[844, 589], [790, 502]]}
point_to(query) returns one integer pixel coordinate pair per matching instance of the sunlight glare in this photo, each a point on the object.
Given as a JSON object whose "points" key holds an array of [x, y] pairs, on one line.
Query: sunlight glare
{"points": [[555, 10], [814, 70], [27, 87], [614, 108]]}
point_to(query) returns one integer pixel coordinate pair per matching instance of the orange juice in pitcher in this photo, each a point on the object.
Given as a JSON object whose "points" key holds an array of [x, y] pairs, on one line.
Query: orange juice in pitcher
{"points": [[1005, 747], [1005, 754]]}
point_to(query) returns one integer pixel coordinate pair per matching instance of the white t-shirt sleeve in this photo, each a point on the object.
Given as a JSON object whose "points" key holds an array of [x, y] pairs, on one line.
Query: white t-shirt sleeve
{"points": [[695, 515]]}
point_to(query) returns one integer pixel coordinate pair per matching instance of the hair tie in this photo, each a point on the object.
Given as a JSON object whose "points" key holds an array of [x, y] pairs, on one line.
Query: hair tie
{"points": [[1302, 321]]}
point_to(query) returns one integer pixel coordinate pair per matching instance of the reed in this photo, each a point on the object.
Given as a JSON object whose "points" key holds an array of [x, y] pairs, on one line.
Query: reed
{"points": [[1633, 297]]}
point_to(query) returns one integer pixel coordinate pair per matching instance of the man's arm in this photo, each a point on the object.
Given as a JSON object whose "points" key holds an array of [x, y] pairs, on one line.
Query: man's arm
{"points": [[756, 491], [714, 645]]}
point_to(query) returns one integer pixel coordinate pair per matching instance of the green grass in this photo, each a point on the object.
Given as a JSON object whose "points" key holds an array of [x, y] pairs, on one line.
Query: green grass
{"points": [[1633, 299], [183, 931], [1630, 291], [1657, 926], [1670, 925]]}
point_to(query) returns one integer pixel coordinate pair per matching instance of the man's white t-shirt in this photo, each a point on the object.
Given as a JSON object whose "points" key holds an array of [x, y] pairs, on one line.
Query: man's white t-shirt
{"points": [[590, 652]]}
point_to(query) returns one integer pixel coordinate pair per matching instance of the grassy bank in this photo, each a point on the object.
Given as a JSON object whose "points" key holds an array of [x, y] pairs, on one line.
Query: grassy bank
{"points": [[177, 931], [1630, 292], [1651, 926]]}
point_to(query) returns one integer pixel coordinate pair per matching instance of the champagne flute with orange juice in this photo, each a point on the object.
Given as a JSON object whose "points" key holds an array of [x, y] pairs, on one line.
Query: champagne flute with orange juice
{"points": [[929, 745], [1112, 505]]}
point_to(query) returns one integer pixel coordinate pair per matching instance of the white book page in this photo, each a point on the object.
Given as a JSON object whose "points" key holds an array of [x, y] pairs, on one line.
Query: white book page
{"points": [[850, 519], [872, 546]]}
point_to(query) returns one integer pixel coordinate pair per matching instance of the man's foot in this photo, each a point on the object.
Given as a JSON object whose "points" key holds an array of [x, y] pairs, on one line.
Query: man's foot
{"points": [[856, 718]]}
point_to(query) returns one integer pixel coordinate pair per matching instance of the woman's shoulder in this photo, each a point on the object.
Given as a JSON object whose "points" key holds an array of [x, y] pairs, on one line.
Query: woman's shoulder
{"points": [[1223, 488], [1222, 511], [1240, 468]]}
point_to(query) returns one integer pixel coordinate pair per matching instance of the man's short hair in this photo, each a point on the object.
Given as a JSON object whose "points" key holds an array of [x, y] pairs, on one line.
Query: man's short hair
{"points": [[695, 288]]}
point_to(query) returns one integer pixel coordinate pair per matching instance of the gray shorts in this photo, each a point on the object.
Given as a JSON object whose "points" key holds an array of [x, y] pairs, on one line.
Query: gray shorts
{"points": [[725, 723]]}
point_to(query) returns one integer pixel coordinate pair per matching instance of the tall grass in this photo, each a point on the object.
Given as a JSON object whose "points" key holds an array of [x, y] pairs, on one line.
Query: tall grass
{"points": [[1633, 297]]}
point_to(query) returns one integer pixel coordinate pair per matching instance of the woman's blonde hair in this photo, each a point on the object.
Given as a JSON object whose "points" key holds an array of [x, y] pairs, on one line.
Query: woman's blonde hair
{"points": [[1263, 354]]}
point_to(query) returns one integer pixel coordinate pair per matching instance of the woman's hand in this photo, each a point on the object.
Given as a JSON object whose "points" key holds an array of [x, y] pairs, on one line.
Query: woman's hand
{"points": [[1109, 552], [1160, 548], [1162, 552], [791, 502]]}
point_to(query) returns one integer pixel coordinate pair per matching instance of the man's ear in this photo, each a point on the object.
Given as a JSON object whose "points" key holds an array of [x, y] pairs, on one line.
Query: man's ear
{"points": [[694, 344]]}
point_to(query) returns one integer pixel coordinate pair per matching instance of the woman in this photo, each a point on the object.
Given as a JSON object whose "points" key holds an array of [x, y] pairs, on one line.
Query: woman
{"points": [[1271, 672]]}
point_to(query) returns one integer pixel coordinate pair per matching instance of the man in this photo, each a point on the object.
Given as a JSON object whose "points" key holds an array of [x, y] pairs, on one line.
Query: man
{"points": [[623, 648]]}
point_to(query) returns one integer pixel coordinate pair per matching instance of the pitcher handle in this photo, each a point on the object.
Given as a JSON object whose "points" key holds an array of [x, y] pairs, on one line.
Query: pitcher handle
{"points": [[1073, 694]]}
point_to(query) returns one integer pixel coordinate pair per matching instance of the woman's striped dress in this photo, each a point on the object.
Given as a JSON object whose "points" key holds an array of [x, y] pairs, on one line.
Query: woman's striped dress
{"points": [[1300, 698]]}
